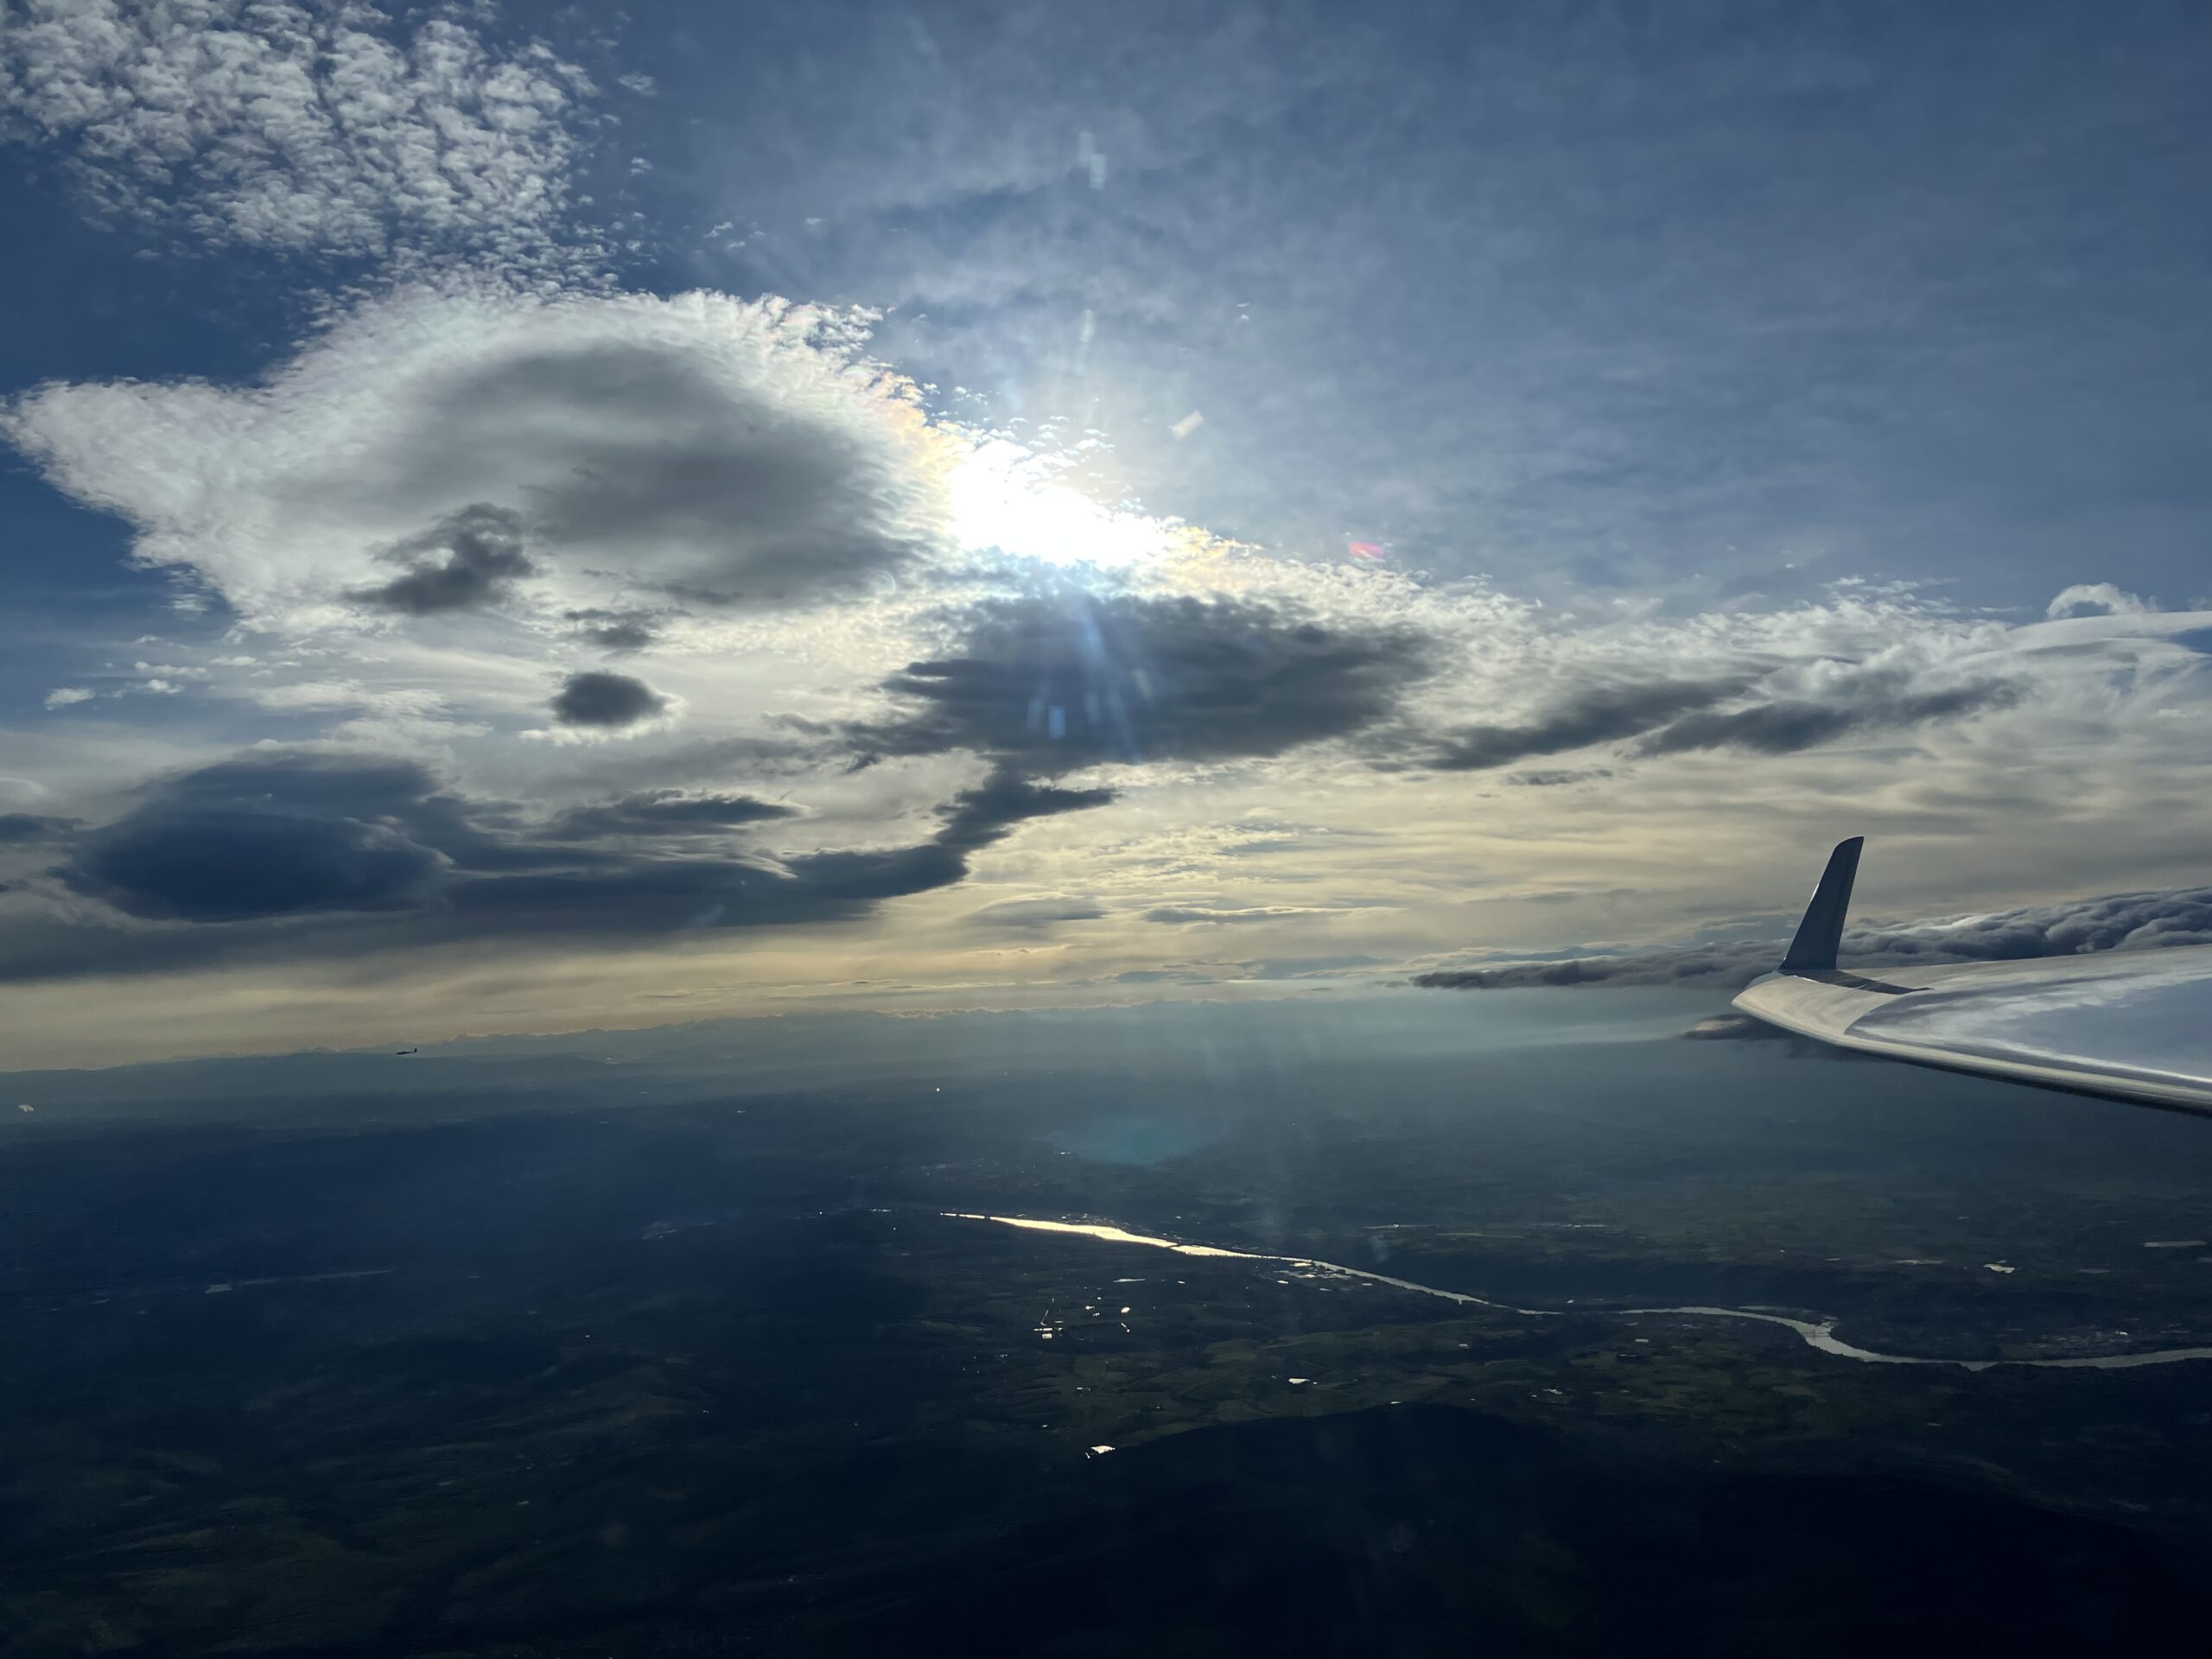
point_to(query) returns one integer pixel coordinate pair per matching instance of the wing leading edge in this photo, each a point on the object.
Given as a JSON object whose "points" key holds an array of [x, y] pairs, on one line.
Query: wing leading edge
{"points": [[2131, 1024]]}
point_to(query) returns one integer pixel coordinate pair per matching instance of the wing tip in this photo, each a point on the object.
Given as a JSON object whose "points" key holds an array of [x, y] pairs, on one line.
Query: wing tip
{"points": [[1820, 935]]}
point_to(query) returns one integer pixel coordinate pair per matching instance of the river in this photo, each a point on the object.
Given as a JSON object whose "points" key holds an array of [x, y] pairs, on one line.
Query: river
{"points": [[1820, 1335]]}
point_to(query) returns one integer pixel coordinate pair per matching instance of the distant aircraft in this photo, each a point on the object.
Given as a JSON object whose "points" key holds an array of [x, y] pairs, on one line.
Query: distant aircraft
{"points": [[2132, 1025], [404, 1052]]}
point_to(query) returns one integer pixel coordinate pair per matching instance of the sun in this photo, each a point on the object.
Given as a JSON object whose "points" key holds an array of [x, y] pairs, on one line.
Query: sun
{"points": [[1010, 500]]}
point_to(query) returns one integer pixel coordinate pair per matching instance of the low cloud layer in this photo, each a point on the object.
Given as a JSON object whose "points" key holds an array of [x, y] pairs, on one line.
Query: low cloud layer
{"points": [[2125, 921]]}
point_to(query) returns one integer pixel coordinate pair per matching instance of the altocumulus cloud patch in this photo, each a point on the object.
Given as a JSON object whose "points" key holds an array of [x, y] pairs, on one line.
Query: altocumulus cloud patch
{"points": [[434, 449], [301, 127]]}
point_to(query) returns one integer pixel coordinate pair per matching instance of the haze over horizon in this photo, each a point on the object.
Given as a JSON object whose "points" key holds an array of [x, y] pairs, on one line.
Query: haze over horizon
{"points": [[518, 522]]}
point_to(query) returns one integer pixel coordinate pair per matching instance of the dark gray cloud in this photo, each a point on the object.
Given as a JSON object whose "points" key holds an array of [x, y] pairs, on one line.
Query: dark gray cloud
{"points": [[1038, 914], [1657, 717], [982, 814], [597, 700], [1873, 703], [291, 855], [1179, 915], [702, 478], [219, 846], [621, 631], [1605, 714], [2125, 921], [665, 812], [1559, 777], [462, 563], [1052, 682], [25, 828]]}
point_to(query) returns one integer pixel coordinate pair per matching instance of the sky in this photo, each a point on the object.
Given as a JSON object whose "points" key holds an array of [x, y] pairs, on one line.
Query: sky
{"points": [[531, 518]]}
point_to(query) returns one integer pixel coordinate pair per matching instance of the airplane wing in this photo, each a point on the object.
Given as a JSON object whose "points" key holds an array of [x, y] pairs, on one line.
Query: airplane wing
{"points": [[2132, 1025]]}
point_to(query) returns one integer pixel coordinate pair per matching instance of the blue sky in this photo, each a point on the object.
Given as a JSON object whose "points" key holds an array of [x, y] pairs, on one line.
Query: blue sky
{"points": [[560, 520]]}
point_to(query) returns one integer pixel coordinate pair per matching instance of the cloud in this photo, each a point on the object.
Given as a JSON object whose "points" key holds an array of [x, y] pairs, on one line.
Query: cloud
{"points": [[300, 128], [981, 816], [621, 631], [1778, 711], [483, 558], [665, 813], [257, 840], [1176, 915], [21, 829], [1036, 914], [1877, 702], [1559, 776], [1599, 714], [1053, 683], [63, 696], [293, 853], [700, 451], [2095, 598], [2126, 921], [596, 700]]}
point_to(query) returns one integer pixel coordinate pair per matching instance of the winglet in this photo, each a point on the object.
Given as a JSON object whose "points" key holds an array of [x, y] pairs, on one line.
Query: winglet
{"points": [[1821, 931]]}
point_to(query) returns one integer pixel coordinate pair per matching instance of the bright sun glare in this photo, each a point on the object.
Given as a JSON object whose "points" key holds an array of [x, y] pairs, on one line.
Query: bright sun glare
{"points": [[1009, 497]]}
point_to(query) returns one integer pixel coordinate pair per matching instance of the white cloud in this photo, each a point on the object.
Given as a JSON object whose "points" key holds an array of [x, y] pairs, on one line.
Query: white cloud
{"points": [[666, 719], [62, 696], [781, 532], [693, 452], [2097, 596], [303, 128]]}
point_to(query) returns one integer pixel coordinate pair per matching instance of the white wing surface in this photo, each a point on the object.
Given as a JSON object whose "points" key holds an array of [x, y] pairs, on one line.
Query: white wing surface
{"points": [[2132, 1025]]}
